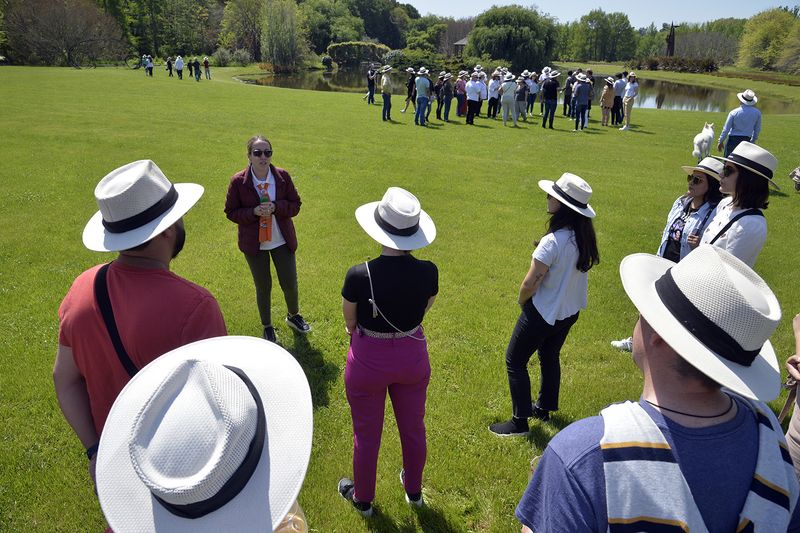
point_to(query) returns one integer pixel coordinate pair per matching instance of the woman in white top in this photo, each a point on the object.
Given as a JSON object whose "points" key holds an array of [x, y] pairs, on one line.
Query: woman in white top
{"points": [[551, 296], [506, 93], [738, 224]]}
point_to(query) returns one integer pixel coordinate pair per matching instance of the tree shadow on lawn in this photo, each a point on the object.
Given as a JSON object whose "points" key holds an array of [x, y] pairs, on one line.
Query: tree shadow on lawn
{"points": [[539, 436], [430, 521], [320, 373]]}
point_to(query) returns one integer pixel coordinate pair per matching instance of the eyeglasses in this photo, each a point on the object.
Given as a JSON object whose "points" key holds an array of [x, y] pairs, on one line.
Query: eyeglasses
{"points": [[259, 153], [727, 170], [694, 180]]}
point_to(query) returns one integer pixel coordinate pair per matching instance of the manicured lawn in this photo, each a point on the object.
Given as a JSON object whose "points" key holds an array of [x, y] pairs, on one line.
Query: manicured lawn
{"points": [[63, 129]]}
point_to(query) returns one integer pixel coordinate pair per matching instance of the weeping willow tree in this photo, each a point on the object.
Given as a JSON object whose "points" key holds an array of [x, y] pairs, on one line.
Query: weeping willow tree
{"points": [[283, 41]]}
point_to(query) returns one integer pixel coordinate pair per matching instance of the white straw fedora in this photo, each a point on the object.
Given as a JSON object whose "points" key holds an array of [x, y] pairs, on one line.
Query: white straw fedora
{"points": [[747, 97], [137, 202], [753, 157], [580, 76], [385, 69], [212, 436], [572, 191], [509, 77], [553, 74], [713, 310], [397, 221], [709, 166]]}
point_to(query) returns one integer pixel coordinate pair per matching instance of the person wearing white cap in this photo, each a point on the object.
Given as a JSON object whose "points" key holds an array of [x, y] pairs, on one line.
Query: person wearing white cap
{"points": [[631, 91], [607, 100], [493, 93], [474, 90], [447, 95], [386, 92], [179, 67], [207, 68], [738, 224], [699, 450], [461, 93], [742, 124], [384, 302], [688, 218], [212, 436], [551, 296], [411, 90], [424, 88], [549, 97], [506, 92], [118, 317]]}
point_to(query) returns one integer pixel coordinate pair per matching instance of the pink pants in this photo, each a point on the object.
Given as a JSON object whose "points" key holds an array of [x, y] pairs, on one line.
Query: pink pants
{"points": [[374, 366]]}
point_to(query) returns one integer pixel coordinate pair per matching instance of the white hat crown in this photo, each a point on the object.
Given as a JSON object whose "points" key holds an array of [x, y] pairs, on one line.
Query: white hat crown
{"points": [[193, 433], [575, 187], [755, 158], [130, 190], [399, 208]]}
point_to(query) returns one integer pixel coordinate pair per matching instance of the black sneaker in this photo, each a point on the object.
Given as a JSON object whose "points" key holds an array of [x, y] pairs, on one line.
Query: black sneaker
{"points": [[346, 488], [269, 334], [297, 323], [539, 413], [412, 499], [510, 428]]}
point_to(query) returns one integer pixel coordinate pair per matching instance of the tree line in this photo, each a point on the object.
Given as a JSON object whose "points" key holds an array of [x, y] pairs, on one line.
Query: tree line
{"points": [[291, 33]]}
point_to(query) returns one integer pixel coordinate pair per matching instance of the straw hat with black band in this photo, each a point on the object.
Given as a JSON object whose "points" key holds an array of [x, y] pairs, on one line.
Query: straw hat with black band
{"points": [[754, 158], [572, 191], [708, 166], [397, 221]]}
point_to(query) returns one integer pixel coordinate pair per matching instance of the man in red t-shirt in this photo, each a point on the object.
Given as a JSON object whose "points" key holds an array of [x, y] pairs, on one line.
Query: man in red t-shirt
{"points": [[154, 310]]}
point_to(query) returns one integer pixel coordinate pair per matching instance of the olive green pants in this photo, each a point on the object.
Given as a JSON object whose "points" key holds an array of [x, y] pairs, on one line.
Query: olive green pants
{"points": [[286, 268]]}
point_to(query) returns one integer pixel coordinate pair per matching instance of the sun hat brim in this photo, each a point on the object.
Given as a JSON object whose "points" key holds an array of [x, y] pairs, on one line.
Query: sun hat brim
{"points": [[97, 238], [751, 169], [690, 169], [365, 215], [129, 505], [741, 98], [760, 381], [547, 186]]}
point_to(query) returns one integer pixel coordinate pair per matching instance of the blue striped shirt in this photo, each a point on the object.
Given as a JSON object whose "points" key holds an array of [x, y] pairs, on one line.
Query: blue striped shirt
{"points": [[744, 121]]}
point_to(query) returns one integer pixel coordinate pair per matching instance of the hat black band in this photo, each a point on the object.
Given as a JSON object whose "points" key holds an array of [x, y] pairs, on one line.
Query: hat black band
{"points": [[707, 169], [696, 323], [146, 216], [736, 158], [388, 228], [569, 198], [239, 479]]}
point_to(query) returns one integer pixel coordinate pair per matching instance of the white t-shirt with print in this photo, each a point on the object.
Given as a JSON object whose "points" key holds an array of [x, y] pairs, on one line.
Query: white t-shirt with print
{"points": [[277, 236], [562, 292]]}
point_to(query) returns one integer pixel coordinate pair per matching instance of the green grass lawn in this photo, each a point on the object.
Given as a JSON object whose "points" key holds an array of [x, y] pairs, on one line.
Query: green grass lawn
{"points": [[64, 129]]}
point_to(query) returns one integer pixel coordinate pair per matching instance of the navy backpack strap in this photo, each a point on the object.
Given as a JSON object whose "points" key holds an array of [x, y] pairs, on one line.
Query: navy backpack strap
{"points": [[104, 302], [756, 212]]}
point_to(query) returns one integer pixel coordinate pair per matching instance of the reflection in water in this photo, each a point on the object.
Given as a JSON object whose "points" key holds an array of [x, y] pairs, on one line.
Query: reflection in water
{"points": [[653, 94]]}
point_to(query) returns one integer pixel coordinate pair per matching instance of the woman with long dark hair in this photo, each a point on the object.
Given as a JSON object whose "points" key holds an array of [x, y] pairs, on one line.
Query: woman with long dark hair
{"points": [[551, 297]]}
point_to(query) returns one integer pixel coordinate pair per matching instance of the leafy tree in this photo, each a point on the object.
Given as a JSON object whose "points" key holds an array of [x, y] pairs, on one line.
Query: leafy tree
{"points": [[516, 33], [282, 38], [651, 42], [378, 20], [346, 28], [242, 21], [764, 36], [790, 59], [622, 38], [591, 36], [425, 33], [189, 26]]}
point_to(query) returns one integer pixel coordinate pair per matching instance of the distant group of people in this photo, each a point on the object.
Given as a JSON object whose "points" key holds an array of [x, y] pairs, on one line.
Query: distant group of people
{"points": [[512, 97], [178, 64]]}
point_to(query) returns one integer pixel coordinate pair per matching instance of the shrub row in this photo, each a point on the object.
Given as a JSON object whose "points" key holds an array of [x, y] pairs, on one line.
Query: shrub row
{"points": [[674, 64], [224, 57], [352, 53]]}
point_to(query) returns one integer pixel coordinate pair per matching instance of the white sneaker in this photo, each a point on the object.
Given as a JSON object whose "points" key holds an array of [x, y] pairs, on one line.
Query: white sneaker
{"points": [[624, 128], [623, 345], [419, 502]]}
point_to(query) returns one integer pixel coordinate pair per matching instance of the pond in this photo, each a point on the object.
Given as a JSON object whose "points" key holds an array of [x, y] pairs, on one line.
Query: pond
{"points": [[653, 94]]}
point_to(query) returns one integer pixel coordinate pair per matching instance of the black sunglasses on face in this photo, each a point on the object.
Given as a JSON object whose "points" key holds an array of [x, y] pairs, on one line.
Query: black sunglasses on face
{"points": [[259, 153], [694, 180], [727, 170]]}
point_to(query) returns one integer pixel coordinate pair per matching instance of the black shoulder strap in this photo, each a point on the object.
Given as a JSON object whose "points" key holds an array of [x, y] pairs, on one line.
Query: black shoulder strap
{"points": [[104, 302], [745, 213]]}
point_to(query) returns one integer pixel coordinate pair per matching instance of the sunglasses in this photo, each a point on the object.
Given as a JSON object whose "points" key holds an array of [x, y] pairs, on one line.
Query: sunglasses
{"points": [[259, 153], [727, 170], [694, 180]]}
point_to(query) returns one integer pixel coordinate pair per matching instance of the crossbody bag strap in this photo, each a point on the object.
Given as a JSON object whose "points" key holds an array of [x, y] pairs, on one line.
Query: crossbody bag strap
{"points": [[104, 302], [734, 219]]}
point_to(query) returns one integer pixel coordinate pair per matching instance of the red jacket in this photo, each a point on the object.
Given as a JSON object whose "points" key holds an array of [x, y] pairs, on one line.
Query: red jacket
{"points": [[242, 198]]}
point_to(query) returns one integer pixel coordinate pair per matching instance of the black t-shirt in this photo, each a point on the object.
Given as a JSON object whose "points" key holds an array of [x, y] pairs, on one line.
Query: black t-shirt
{"points": [[403, 285], [550, 89]]}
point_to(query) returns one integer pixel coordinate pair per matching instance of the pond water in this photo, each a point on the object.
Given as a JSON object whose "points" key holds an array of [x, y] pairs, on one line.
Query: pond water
{"points": [[653, 94]]}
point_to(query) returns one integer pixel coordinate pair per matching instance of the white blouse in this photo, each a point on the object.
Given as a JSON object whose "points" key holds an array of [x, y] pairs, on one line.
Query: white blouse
{"points": [[744, 239]]}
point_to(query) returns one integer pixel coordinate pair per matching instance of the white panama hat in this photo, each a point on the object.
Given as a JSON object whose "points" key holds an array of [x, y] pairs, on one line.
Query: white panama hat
{"points": [[709, 166], [572, 191], [747, 97], [385, 69], [422, 71], [713, 310], [581, 76], [509, 77], [137, 202], [754, 158], [553, 74], [411, 70], [223, 422], [397, 221]]}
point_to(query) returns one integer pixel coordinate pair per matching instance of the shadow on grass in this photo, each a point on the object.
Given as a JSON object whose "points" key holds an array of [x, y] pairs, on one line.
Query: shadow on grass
{"points": [[320, 373], [539, 436], [429, 521]]}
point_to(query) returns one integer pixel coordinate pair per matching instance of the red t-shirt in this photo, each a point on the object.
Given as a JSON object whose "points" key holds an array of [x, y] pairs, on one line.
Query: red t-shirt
{"points": [[155, 311]]}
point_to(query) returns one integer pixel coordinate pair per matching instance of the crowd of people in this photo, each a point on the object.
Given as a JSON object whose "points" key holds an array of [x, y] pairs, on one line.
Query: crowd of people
{"points": [[188, 429], [513, 97], [178, 64]]}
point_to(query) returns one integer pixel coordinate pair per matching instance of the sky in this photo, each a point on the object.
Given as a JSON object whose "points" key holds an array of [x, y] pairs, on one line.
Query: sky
{"points": [[640, 12]]}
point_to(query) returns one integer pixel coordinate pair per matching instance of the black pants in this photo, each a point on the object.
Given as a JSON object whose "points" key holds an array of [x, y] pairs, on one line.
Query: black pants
{"points": [[549, 112], [618, 106], [530, 334], [472, 109], [494, 107], [567, 103], [439, 105]]}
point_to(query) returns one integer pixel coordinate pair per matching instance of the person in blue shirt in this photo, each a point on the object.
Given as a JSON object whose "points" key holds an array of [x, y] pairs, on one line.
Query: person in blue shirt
{"points": [[743, 123]]}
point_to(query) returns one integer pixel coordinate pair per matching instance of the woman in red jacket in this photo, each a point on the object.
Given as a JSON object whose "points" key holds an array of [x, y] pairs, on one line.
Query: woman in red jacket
{"points": [[262, 200]]}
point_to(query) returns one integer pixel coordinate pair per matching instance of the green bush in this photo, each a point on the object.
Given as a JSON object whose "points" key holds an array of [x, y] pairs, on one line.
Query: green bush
{"points": [[674, 64], [354, 52], [222, 57], [402, 59], [241, 57]]}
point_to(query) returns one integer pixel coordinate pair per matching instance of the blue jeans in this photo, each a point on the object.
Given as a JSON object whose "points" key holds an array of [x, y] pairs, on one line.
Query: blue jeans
{"points": [[460, 101], [732, 142], [370, 94], [387, 106], [549, 111], [580, 115], [422, 108], [447, 108]]}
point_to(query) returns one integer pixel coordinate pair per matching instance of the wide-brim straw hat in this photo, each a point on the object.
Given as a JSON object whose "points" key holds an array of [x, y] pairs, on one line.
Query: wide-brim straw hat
{"points": [[747, 97], [422, 71], [385, 69], [508, 77], [553, 74], [411, 70], [221, 426], [610, 80], [397, 221], [708, 166], [754, 158], [712, 309], [572, 191], [137, 202], [447, 76], [581, 76]]}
